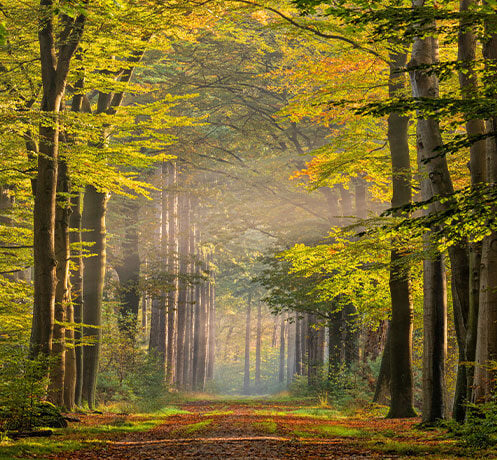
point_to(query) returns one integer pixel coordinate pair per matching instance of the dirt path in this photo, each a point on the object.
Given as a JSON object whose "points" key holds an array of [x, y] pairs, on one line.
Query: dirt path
{"points": [[230, 431]]}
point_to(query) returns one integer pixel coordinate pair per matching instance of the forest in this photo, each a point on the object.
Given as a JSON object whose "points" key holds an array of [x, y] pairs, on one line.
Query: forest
{"points": [[248, 229]]}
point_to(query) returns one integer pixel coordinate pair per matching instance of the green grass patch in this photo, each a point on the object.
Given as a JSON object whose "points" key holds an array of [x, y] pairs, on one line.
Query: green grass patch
{"points": [[193, 427], [340, 431], [82, 437], [317, 412], [217, 412], [268, 426]]}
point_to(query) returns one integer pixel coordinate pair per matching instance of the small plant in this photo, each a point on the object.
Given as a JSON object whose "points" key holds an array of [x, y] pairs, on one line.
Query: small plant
{"points": [[479, 431]]}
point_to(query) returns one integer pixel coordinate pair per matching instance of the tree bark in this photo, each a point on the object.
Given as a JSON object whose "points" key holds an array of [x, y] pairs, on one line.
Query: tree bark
{"points": [[183, 256], [258, 336], [55, 57], [400, 330], [212, 326], [434, 165], [94, 211], [246, 368], [281, 373], [129, 272], [486, 347], [298, 345], [172, 267], [75, 238], [62, 296]]}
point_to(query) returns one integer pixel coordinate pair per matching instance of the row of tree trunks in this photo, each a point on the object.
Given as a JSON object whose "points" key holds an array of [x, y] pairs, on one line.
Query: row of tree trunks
{"points": [[182, 318]]}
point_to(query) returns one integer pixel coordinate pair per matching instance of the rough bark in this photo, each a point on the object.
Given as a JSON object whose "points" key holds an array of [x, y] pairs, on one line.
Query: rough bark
{"points": [[258, 335]]}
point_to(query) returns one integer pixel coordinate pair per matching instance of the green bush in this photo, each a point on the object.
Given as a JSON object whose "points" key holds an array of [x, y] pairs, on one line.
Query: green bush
{"points": [[479, 431], [22, 389]]}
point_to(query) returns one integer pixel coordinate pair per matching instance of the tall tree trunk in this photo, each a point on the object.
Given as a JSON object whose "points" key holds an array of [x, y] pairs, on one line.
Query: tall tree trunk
{"points": [[468, 82], [382, 390], [94, 210], [75, 238], [486, 348], [55, 57], [62, 254], [183, 256], [246, 368], [425, 85], [290, 355], [400, 329], [212, 327], [313, 351], [172, 267], [334, 344], [434, 338], [258, 337], [188, 367], [298, 345], [129, 272], [281, 373]]}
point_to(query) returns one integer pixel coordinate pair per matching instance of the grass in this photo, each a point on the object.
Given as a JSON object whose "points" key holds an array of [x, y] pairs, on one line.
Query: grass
{"points": [[217, 412], [79, 437], [311, 412], [268, 426], [193, 427]]}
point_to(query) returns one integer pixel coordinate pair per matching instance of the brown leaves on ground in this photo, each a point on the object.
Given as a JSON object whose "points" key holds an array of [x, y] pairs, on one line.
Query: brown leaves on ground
{"points": [[217, 430]]}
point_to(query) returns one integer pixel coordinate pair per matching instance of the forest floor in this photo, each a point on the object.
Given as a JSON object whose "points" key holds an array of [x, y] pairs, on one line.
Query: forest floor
{"points": [[241, 430]]}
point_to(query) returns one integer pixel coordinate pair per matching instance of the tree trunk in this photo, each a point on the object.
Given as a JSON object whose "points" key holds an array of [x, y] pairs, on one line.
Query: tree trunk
{"points": [[183, 256], [75, 238], [298, 345], [62, 254], [212, 328], [129, 272], [434, 339], [383, 382], [434, 165], [290, 360], [246, 369], [55, 57], [281, 373], [94, 210], [258, 336], [172, 267]]}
